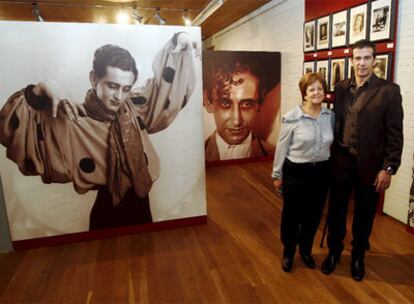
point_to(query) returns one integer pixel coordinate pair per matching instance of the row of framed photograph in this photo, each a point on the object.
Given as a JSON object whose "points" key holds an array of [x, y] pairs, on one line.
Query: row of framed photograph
{"points": [[337, 69], [373, 20]]}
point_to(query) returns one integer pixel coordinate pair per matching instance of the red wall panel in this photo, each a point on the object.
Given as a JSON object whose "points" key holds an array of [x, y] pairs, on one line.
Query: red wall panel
{"points": [[318, 8]]}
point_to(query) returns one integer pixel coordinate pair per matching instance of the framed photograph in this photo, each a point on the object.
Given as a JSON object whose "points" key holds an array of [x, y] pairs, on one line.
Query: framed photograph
{"points": [[323, 33], [350, 69], [382, 20], [382, 66], [337, 71], [358, 21], [339, 29], [308, 67], [322, 67], [309, 31]]}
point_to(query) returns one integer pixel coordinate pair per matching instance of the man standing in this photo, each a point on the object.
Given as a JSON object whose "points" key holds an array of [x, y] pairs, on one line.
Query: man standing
{"points": [[107, 148], [366, 153], [235, 86]]}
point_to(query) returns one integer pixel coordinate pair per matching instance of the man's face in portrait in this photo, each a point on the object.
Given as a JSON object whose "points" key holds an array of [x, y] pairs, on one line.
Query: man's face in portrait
{"points": [[235, 108], [363, 61], [113, 88]]}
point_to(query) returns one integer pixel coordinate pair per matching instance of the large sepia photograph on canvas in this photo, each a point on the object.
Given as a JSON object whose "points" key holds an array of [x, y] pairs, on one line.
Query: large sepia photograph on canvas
{"points": [[242, 101], [94, 126]]}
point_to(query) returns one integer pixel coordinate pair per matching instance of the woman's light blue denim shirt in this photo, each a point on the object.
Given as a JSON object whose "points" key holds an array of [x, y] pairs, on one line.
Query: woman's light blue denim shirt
{"points": [[303, 138]]}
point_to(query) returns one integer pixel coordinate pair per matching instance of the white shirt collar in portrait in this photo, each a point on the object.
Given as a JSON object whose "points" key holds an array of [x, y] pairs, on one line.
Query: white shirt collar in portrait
{"points": [[241, 150]]}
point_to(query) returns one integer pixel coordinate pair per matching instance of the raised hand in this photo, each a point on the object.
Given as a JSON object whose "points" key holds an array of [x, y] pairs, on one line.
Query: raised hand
{"points": [[53, 90]]}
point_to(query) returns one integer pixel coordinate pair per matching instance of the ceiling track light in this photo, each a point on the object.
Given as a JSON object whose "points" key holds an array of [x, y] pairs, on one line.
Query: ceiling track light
{"points": [[186, 19], [138, 17], [36, 12], [157, 17], [207, 11]]}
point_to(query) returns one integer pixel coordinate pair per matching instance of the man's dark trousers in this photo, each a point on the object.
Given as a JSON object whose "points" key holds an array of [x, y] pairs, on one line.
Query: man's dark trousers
{"points": [[345, 178]]}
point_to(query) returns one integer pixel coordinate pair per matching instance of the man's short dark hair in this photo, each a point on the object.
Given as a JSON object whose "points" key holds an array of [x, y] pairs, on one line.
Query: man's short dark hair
{"points": [[114, 56], [364, 43], [220, 66]]}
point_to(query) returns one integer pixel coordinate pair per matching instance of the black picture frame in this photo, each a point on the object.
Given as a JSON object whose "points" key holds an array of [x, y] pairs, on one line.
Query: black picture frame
{"points": [[382, 17], [309, 36], [323, 67], [350, 68], [323, 33], [337, 71], [339, 29], [309, 67], [358, 24], [383, 66]]}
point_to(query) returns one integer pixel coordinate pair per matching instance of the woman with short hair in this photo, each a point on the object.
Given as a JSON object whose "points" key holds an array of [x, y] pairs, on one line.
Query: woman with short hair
{"points": [[301, 169]]}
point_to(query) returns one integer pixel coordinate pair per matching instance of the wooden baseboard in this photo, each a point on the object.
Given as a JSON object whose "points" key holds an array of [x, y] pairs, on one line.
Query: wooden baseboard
{"points": [[237, 161], [107, 233]]}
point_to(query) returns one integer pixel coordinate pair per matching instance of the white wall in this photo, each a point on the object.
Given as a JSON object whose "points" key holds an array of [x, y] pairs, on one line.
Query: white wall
{"points": [[276, 26], [397, 197]]}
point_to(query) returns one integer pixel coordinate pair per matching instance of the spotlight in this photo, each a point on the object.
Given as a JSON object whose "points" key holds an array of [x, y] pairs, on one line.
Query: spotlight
{"points": [[122, 18], [36, 12], [187, 20], [137, 17], [157, 16], [207, 11]]}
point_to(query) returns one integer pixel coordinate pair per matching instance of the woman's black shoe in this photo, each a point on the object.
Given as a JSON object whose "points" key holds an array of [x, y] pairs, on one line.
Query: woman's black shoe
{"points": [[308, 261], [287, 264]]}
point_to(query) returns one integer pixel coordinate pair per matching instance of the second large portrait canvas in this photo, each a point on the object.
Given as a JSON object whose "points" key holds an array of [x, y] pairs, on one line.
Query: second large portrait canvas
{"points": [[95, 122], [242, 100]]}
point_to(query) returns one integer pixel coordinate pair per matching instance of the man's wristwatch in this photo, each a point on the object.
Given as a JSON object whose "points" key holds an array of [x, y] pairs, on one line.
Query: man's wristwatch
{"points": [[390, 170]]}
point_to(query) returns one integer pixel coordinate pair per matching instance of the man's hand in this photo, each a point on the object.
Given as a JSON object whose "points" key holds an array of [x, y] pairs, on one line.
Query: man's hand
{"points": [[382, 181], [52, 89], [278, 185]]}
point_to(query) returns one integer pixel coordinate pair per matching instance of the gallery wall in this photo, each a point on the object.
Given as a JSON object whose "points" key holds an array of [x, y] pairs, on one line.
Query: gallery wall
{"points": [[397, 196]]}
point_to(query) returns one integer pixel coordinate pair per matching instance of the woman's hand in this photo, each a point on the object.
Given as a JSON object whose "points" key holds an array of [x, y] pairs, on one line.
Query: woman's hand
{"points": [[53, 90], [277, 183]]}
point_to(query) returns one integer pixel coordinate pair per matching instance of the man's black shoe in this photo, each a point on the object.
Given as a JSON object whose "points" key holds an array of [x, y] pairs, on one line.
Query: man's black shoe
{"points": [[357, 269], [329, 264], [308, 261], [287, 264]]}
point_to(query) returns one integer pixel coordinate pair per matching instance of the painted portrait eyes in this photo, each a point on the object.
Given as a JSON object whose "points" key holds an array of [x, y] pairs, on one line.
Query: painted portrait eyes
{"points": [[248, 104], [244, 104], [225, 103]]}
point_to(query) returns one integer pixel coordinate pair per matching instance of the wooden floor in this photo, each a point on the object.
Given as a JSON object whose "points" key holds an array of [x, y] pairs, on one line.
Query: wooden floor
{"points": [[235, 258]]}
